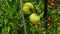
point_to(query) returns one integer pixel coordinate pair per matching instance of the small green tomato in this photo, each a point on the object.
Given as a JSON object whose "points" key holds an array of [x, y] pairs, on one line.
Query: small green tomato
{"points": [[30, 5], [27, 8], [34, 18]]}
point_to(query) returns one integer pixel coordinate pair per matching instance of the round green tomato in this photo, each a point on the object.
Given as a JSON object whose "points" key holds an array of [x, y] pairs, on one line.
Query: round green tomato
{"points": [[30, 5], [26, 10], [34, 18]]}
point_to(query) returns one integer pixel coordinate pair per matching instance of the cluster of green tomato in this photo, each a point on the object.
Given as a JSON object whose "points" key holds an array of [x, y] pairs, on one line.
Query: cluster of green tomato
{"points": [[28, 8]]}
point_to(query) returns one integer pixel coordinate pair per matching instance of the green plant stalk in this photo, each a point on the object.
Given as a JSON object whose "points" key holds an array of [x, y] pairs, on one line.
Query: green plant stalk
{"points": [[23, 18]]}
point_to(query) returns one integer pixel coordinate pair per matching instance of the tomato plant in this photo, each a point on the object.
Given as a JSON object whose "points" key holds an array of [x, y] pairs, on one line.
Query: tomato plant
{"points": [[27, 16]]}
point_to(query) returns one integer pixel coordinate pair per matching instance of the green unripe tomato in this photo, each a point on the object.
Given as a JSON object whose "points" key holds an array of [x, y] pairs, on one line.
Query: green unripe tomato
{"points": [[30, 5], [27, 8], [34, 18]]}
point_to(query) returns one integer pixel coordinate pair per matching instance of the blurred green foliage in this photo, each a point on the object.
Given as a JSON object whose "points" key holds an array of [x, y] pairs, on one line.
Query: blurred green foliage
{"points": [[11, 18]]}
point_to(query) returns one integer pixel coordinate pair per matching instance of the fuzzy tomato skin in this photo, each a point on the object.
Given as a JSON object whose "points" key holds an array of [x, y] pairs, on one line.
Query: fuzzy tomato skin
{"points": [[30, 5], [34, 18], [28, 8]]}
